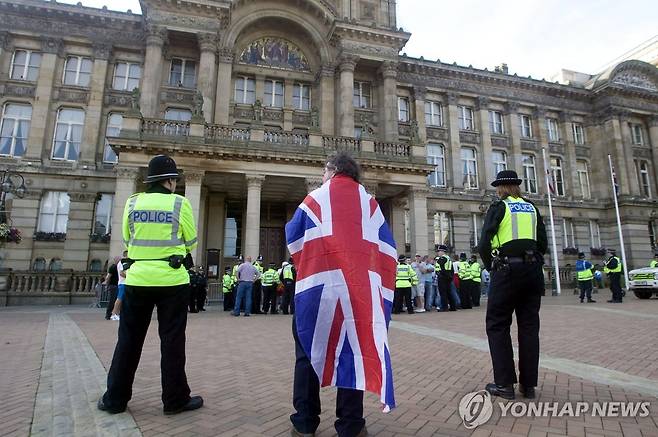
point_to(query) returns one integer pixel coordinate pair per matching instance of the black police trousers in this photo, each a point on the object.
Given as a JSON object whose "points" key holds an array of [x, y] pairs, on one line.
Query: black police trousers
{"points": [[306, 399], [288, 300], [112, 298], [256, 291], [399, 295], [447, 299], [171, 303], [615, 286], [585, 289], [269, 299], [515, 289]]}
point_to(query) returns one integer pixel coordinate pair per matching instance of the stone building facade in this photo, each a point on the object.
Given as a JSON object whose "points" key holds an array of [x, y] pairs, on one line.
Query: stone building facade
{"points": [[250, 97]]}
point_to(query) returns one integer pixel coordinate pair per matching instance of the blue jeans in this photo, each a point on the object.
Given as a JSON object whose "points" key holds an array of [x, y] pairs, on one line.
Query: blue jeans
{"points": [[430, 295], [244, 293], [455, 295]]}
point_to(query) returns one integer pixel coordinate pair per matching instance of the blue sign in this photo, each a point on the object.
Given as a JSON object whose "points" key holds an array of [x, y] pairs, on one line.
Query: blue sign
{"points": [[152, 216], [521, 207]]}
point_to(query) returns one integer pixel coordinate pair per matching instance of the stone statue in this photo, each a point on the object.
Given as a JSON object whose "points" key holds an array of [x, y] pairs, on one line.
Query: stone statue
{"points": [[315, 117], [134, 99], [414, 136], [197, 104], [366, 130], [258, 111]]}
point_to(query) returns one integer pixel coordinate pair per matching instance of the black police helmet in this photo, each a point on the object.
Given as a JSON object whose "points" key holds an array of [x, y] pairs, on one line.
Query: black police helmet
{"points": [[161, 168], [506, 177], [401, 258], [443, 247], [581, 255]]}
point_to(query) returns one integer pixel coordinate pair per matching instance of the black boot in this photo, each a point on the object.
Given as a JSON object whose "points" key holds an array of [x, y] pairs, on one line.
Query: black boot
{"points": [[527, 392], [503, 391]]}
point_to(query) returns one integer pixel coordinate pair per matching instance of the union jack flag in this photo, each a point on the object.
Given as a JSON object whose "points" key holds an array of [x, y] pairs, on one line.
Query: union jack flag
{"points": [[346, 261]]}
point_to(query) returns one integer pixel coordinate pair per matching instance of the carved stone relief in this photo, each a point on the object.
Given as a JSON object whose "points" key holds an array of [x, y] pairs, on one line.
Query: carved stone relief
{"points": [[529, 145], [640, 152], [440, 134], [499, 142], [115, 98], [16, 90], [71, 95], [469, 137], [636, 80], [173, 96]]}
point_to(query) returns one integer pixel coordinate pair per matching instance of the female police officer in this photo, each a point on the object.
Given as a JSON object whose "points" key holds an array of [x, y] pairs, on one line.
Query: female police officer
{"points": [[512, 247]]}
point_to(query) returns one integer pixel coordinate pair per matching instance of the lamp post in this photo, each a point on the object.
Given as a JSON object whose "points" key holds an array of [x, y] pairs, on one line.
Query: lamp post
{"points": [[10, 182]]}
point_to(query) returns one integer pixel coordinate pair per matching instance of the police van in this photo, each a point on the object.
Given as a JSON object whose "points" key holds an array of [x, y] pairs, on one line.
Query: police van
{"points": [[644, 282]]}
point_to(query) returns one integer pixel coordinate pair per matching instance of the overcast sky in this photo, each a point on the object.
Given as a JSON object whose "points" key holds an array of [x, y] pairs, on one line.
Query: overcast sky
{"points": [[534, 37]]}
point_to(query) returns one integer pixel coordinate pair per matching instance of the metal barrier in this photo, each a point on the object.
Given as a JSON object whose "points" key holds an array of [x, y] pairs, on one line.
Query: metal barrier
{"points": [[215, 295], [102, 296]]}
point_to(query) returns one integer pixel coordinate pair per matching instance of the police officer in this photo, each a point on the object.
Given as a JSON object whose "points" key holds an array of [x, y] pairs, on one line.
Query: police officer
{"points": [[256, 290], [287, 278], [444, 273], [405, 278], [270, 279], [465, 282], [228, 284], [613, 269], [159, 229], [512, 247], [201, 289], [476, 280], [654, 262], [584, 276]]}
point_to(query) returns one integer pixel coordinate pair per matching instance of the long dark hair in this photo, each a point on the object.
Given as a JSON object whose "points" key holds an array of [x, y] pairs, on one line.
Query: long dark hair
{"points": [[343, 163]]}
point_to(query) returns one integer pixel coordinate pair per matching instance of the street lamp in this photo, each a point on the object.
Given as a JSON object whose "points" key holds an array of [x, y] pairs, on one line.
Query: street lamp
{"points": [[10, 182]]}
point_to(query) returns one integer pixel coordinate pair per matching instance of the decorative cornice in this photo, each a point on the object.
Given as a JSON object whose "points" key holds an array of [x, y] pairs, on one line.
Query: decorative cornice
{"points": [[254, 181], [225, 55], [52, 45], [389, 70], [194, 177], [208, 42], [481, 103], [126, 172], [347, 63], [84, 197]]}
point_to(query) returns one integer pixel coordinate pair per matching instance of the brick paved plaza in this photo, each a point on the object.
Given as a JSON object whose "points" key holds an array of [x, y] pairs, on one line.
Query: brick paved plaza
{"points": [[53, 362]]}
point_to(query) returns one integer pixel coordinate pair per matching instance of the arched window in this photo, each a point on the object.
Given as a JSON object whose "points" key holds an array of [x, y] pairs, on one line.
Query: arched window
{"points": [[39, 264], [55, 265], [95, 265]]}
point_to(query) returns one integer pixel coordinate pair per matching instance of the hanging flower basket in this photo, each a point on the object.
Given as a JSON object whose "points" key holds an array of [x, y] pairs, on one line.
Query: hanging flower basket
{"points": [[9, 234], [598, 251], [570, 251]]}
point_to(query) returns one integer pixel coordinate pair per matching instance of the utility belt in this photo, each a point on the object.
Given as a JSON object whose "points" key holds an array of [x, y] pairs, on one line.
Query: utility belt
{"points": [[502, 262], [175, 261]]}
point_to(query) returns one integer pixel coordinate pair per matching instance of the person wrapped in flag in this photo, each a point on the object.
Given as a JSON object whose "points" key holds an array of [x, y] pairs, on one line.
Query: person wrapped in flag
{"points": [[346, 265]]}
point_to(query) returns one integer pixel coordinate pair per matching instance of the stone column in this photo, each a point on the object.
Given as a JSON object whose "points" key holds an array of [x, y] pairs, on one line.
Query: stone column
{"points": [[252, 223], [399, 206], [613, 135], [652, 124], [455, 143], [91, 137], [327, 99], [313, 184], [215, 226], [152, 77], [569, 173], [346, 94], [201, 231], [389, 105], [542, 136], [193, 182], [78, 229], [419, 105], [126, 179], [5, 53], [484, 162], [38, 142], [418, 216], [515, 161], [627, 144], [371, 187], [288, 85], [207, 73], [224, 86]]}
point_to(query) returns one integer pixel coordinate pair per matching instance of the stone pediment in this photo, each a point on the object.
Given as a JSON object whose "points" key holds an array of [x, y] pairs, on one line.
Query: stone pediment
{"points": [[633, 75], [636, 80]]}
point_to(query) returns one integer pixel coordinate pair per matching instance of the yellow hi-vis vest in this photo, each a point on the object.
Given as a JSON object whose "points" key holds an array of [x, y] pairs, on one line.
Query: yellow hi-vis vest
{"points": [[287, 272], [519, 223], [269, 278], [616, 269], [227, 283], [585, 274], [464, 272], [476, 272], [448, 265], [653, 263], [156, 226], [405, 277]]}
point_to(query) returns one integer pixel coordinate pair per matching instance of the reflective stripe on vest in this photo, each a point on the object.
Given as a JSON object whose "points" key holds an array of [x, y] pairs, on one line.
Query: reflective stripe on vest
{"points": [[519, 223], [476, 272], [585, 274], [269, 277], [404, 276], [448, 265], [653, 264], [287, 272], [160, 217], [616, 269]]}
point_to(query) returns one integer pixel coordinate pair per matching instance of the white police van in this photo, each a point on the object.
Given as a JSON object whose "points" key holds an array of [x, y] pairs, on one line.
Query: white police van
{"points": [[644, 282]]}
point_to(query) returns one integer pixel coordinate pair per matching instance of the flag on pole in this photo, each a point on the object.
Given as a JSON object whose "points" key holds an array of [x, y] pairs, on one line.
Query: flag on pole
{"points": [[549, 177], [614, 181]]}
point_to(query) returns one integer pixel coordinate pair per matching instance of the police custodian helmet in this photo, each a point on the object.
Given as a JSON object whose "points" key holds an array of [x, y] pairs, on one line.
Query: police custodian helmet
{"points": [[506, 177], [161, 168]]}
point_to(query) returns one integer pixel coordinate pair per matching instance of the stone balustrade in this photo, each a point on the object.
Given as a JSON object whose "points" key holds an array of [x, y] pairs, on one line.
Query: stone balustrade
{"points": [[20, 287], [167, 128], [287, 138], [392, 149], [341, 144], [216, 134]]}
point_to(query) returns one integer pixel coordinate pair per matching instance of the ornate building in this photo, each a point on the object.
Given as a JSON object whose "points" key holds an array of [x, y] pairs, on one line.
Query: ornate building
{"points": [[250, 97]]}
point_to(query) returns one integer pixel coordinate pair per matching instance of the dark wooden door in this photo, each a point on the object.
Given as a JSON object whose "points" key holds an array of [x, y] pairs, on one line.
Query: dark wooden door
{"points": [[272, 245]]}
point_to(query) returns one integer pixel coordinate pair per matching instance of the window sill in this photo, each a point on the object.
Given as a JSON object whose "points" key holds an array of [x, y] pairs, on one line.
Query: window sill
{"points": [[98, 238], [50, 236]]}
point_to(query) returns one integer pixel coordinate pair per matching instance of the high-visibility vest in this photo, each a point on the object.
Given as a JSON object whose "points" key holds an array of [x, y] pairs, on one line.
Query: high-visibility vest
{"points": [[234, 272], [583, 273], [616, 269], [405, 276], [157, 226], [519, 223], [258, 267], [269, 278], [653, 263], [448, 265], [476, 272], [227, 283], [287, 272], [464, 271]]}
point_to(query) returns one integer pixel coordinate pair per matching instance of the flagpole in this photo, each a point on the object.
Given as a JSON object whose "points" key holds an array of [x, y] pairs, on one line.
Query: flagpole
{"points": [[621, 235], [550, 212]]}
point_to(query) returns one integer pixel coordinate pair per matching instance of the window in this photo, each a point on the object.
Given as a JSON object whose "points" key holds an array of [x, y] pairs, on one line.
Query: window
{"points": [[568, 236], [499, 160], [465, 118], [578, 133], [182, 73], [25, 65], [496, 122], [433, 114], [103, 215], [443, 229], [652, 233], [68, 134], [436, 157], [176, 114], [636, 131], [15, 129], [476, 228], [403, 109], [54, 212], [233, 229], [95, 266], [642, 168], [553, 130], [39, 264], [245, 90], [77, 71], [470, 168], [274, 93], [407, 228], [594, 234], [583, 179], [358, 132], [556, 174], [529, 174], [55, 265], [112, 129], [126, 76], [526, 126], [301, 97], [361, 95]]}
